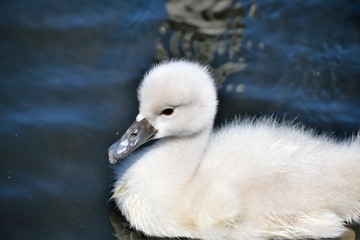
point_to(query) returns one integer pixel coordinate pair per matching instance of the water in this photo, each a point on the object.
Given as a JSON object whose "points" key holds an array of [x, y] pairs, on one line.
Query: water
{"points": [[69, 72]]}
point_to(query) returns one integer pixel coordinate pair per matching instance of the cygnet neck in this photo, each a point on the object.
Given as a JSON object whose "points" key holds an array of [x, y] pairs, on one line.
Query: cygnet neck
{"points": [[186, 152], [187, 142], [172, 162]]}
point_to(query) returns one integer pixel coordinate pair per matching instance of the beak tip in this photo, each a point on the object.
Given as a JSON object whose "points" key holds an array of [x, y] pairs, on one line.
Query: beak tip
{"points": [[112, 160]]}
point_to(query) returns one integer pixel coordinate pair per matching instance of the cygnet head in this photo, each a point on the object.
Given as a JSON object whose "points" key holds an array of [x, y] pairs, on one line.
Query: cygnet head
{"points": [[177, 99]]}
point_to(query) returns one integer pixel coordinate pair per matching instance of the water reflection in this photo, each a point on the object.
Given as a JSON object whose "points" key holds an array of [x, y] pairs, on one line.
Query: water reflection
{"points": [[207, 30]]}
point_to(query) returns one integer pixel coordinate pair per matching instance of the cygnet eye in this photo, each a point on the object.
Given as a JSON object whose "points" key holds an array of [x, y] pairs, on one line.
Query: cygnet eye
{"points": [[167, 111]]}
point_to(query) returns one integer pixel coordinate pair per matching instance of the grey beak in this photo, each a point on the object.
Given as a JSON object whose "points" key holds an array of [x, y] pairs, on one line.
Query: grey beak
{"points": [[137, 134]]}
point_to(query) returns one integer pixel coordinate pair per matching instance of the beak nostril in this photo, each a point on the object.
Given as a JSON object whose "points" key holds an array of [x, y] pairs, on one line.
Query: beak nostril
{"points": [[134, 134]]}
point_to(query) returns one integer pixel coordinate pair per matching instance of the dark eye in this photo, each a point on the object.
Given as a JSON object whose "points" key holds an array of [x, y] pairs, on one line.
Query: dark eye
{"points": [[167, 111]]}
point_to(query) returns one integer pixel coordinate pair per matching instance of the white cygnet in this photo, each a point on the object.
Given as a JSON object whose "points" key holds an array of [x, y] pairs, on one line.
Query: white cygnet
{"points": [[251, 179]]}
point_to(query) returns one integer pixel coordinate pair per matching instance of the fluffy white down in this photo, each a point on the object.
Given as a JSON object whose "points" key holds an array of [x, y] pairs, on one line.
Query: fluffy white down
{"points": [[251, 179]]}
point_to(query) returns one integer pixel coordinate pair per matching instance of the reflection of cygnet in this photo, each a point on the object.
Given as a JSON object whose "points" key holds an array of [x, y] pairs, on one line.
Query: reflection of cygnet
{"points": [[247, 180]]}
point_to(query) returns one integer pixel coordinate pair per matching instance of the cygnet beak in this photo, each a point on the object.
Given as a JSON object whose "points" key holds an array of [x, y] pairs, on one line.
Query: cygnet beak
{"points": [[138, 133]]}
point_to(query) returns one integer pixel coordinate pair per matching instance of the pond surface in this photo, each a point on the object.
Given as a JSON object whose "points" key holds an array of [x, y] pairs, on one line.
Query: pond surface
{"points": [[69, 72]]}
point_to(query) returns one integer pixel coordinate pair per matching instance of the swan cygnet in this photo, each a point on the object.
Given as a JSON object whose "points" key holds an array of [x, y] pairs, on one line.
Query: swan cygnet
{"points": [[251, 179]]}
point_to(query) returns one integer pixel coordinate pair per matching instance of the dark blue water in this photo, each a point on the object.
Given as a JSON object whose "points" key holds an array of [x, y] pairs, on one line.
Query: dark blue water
{"points": [[69, 72]]}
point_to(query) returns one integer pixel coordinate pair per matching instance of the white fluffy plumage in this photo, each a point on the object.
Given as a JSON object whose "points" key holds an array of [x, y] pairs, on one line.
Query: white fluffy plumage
{"points": [[251, 179]]}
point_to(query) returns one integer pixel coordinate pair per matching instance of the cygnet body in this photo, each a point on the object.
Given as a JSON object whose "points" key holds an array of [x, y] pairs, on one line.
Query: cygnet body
{"points": [[251, 179]]}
